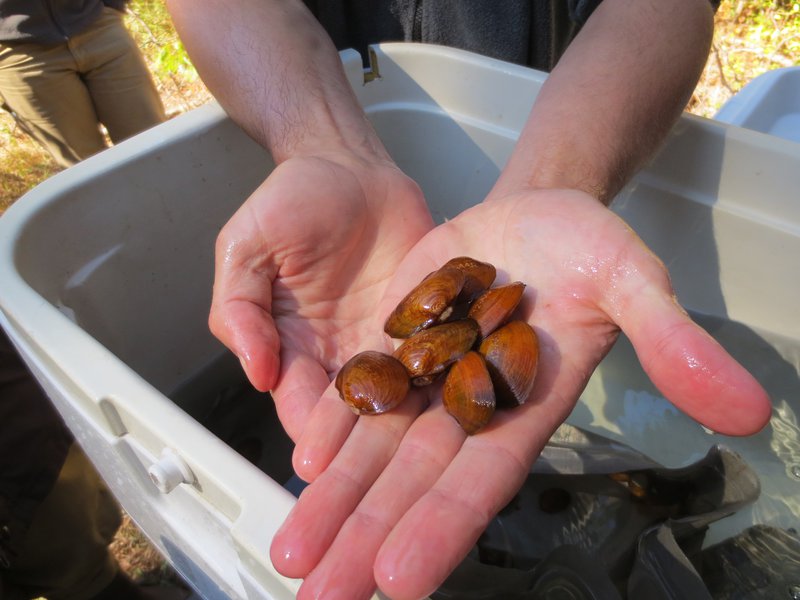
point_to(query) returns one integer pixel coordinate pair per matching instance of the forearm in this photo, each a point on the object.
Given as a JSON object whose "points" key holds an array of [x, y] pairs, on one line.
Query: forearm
{"points": [[276, 73], [613, 96]]}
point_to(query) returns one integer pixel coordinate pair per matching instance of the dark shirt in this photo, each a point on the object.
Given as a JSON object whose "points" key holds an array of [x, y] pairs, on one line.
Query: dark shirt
{"points": [[49, 21], [527, 32]]}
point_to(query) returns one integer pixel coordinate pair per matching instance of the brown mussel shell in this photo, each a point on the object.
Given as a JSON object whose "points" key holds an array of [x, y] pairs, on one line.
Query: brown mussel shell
{"points": [[468, 393], [431, 351], [372, 382], [423, 305], [479, 276], [441, 320], [512, 357], [494, 306]]}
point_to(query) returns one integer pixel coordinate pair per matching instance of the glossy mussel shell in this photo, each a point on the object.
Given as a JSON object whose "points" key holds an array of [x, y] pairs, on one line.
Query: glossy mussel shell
{"points": [[431, 351], [495, 306], [372, 382], [468, 393], [512, 358], [458, 280], [423, 306], [452, 320], [478, 276]]}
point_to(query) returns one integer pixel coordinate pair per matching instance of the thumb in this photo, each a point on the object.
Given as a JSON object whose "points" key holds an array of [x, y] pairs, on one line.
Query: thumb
{"points": [[241, 318], [249, 332], [691, 368], [241, 304]]}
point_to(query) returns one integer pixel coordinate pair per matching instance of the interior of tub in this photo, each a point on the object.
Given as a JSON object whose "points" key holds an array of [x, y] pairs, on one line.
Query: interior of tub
{"points": [[131, 262]]}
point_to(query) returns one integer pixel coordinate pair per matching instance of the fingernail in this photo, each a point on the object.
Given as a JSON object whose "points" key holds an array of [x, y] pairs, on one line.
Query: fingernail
{"points": [[304, 467]]}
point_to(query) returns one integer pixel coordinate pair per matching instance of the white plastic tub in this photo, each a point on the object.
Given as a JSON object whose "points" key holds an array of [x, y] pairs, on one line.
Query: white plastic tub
{"points": [[106, 281], [770, 103]]}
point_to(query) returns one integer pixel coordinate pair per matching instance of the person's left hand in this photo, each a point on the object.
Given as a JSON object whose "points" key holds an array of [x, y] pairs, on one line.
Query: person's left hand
{"points": [[301, 266], [402, 501]]}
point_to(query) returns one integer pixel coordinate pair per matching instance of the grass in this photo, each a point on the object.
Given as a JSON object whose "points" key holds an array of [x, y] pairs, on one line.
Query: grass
{"points": [[138, 558], [22, 164], [175, 77], [751, 37]]}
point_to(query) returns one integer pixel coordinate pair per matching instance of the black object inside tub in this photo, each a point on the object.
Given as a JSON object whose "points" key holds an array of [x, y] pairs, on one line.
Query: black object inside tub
{"points": [[596, 520], [221, 399]]}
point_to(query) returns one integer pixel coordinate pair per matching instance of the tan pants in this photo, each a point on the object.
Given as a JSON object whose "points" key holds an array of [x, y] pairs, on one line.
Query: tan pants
{"points": [[61, 94], [65, 554]]}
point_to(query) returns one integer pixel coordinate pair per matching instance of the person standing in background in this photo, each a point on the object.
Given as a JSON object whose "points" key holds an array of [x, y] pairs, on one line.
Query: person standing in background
{"points": [[66, 68]]}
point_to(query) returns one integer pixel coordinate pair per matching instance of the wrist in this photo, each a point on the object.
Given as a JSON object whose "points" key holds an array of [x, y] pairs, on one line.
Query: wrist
{"points": [[548, 172], [342, 137]]}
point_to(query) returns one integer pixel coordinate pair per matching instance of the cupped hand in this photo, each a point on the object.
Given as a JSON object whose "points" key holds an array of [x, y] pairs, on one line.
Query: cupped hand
{"points": [[404, 497], [302, 264]]}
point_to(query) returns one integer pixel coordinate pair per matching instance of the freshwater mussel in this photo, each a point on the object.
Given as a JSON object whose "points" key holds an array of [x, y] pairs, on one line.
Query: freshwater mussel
{"points": [[453, 323]]}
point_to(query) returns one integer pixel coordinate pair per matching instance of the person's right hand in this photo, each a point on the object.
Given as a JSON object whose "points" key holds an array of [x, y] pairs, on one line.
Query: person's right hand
{"points": [[402, 501], [302, 264]]}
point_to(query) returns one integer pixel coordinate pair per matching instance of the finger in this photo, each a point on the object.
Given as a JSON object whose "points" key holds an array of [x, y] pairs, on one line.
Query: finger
{"points": [[691, 368], [326, 431], [248, 332], [299, 387], [354, 581], [438, 531], [426, 450], [325, 504], [241, 303]]}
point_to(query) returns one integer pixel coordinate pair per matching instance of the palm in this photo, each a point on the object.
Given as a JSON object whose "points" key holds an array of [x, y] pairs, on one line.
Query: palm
{"points": [[569, 253], [405, 518], [301, 266], [589, 275]]}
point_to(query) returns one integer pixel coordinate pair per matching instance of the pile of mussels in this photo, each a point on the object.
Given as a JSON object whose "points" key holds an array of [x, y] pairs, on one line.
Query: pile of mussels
{"points": [[453, 322]]}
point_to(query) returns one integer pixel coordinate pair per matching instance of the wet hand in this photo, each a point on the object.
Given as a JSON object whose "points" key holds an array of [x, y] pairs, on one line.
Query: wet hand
{"points": [[301, 266], [400, 499]]}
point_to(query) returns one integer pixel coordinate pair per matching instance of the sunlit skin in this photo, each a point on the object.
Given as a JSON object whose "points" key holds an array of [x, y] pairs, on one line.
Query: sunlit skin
{"points": [[454, 484], [313, 262], [298, 265]]}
